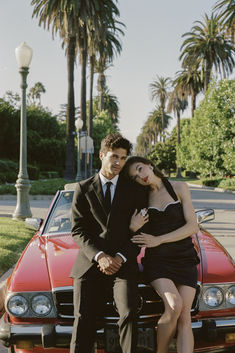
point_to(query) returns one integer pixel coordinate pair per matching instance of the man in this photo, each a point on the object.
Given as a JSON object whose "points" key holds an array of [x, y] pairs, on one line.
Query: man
{"points": [[106, 257]]}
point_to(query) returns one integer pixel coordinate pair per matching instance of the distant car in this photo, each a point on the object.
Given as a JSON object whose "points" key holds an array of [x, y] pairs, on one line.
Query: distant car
{"points": [[39, 294]]}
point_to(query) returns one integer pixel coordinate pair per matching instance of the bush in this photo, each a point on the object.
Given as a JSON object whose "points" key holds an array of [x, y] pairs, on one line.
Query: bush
{"points": [[47, 187], [8, 171], [7, 189], [211, 182], [228, 183], [33, 172], [49, 175]]}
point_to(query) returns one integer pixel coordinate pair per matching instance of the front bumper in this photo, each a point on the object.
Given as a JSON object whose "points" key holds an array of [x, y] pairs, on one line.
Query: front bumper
{"points": [[206, 333]]}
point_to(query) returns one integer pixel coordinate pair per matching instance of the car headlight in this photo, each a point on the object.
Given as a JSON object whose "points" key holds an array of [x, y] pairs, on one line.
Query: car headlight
{"points": [[41, 304], [230, 295], [213, 297], [17, 305]]}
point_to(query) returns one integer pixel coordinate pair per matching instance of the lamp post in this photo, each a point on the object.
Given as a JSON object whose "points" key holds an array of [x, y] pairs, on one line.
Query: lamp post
{"points": [[23, 57], [78, 124]]}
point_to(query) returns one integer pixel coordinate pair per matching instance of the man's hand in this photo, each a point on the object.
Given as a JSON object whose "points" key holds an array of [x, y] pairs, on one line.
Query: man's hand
{"points": [[109, 265]]}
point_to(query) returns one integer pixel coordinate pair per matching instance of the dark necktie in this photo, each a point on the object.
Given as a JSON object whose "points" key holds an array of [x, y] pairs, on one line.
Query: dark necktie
{"points": [[107, 197]]}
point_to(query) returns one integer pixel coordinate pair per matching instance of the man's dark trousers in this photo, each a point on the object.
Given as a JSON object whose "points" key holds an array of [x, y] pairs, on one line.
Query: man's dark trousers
{"points": [[90, 295]]}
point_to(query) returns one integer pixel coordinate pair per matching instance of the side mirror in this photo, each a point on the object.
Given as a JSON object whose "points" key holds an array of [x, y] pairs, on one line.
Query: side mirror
{"points": [[205, 215], [34, 223]]}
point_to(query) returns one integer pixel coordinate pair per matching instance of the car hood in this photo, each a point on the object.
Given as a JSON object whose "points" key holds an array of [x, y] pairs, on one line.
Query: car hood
{"points": [[61, 253], [217, 264], [45, 264]]}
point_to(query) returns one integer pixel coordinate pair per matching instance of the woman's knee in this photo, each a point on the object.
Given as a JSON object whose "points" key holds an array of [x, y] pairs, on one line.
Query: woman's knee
{"points": [[184, 320], [174, 308]]}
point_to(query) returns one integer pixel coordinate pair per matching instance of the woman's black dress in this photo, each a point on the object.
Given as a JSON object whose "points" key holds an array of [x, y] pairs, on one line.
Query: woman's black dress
{"points": [[174, 260]]}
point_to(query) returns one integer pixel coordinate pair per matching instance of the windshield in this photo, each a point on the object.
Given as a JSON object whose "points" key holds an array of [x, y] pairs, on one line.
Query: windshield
{"points": [[60, 218]]}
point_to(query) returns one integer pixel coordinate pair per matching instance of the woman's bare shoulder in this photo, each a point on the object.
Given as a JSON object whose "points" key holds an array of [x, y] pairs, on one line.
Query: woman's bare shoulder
{"points": [[179, 186]]}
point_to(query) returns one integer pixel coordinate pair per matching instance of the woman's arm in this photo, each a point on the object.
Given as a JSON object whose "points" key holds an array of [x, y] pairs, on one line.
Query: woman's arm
{"points": [[188, 229], [138, 220]]}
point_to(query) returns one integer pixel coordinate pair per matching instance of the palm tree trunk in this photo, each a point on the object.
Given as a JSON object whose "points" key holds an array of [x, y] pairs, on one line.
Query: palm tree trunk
{"points": [[101, 88], [178, 173], [70, 113], [90, 122], [83, 87], [193, 103], [207, 78], [163, 137]]}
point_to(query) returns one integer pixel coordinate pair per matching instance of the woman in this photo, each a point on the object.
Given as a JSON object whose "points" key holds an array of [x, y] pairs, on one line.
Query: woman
{"points": [[170, 258]]}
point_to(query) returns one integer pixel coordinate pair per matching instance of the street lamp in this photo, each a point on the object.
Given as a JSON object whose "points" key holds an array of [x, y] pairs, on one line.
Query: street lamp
{"points": [[23, 57], [78, 124]]}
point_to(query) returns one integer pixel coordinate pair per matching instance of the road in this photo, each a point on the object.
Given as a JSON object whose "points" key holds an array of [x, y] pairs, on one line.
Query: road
{"points": [[222, 227]]}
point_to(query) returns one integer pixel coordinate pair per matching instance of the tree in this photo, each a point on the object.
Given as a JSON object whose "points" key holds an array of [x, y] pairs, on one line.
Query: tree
{"points": [[226, 10], [107, 49], [207, 47], [35, 93], [177, 103], [63, 16], [110, 104], [163, 155], [12, 98], [46, 137], [102, 127], [150, 131], [210, 137], [190, 80], [159, 93]]}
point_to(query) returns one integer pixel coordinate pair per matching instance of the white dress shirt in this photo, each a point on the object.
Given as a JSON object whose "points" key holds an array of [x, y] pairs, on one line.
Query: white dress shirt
{"points": [[112, 191]]}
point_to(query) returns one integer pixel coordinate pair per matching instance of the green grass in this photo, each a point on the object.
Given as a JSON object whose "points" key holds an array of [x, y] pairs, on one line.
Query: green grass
{"points": [[14, 235]]}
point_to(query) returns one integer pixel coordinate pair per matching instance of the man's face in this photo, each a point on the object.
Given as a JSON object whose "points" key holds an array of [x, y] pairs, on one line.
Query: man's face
{"points": [[113, 162]]}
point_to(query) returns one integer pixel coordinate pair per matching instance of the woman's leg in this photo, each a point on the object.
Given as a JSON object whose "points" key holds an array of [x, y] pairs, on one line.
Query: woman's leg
{"points": [[185, 340], [173, 306]]}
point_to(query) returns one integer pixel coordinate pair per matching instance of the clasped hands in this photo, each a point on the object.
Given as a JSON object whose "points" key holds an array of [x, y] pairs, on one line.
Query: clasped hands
{"points": [[109, 265]]}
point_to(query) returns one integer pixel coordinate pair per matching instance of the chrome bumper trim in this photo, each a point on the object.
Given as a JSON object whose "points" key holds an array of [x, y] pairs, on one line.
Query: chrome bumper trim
{"points": [[225, 322], [37, 329]]}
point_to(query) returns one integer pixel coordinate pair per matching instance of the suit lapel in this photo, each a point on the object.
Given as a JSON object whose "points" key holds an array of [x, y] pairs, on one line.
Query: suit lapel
{"points": [[95, 191], [97, 199]]}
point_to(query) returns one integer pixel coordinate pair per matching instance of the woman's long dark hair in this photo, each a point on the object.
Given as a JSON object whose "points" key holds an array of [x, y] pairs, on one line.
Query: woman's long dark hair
{"points": [[138, 159]]}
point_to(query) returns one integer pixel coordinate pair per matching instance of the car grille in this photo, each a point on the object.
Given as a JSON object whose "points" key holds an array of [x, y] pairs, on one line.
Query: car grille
{"points": [[150, 304]]}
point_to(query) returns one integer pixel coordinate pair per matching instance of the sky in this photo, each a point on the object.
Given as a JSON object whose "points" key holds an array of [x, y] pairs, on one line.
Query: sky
{"points": [[151, 47]]}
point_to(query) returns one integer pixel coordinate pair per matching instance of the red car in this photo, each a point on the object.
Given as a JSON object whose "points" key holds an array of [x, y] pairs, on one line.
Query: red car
{"points": [[39, 294]]}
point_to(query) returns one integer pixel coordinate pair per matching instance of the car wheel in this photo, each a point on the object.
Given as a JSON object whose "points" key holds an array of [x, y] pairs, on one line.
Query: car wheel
{"points": [[11, 349]]}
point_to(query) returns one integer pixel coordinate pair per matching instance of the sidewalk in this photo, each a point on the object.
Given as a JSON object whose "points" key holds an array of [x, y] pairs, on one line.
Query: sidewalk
{"points": [[211, 188]]}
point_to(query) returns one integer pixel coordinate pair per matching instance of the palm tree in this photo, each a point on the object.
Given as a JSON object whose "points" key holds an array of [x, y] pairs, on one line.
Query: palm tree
{"points": [[207, 47], [72, 19], [97, 41], [63, 17], [150, 131], [177, 103], [159, 93], [36, 91], [109, 47], [111, 104], [191, 82], [226, 10]]}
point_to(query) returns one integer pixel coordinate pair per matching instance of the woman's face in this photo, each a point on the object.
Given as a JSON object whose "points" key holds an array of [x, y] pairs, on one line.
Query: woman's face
{"points": [[141, 173]]}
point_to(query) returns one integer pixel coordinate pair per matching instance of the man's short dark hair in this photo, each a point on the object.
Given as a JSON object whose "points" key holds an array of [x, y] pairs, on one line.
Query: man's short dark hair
{"points": [[113, 141]]}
